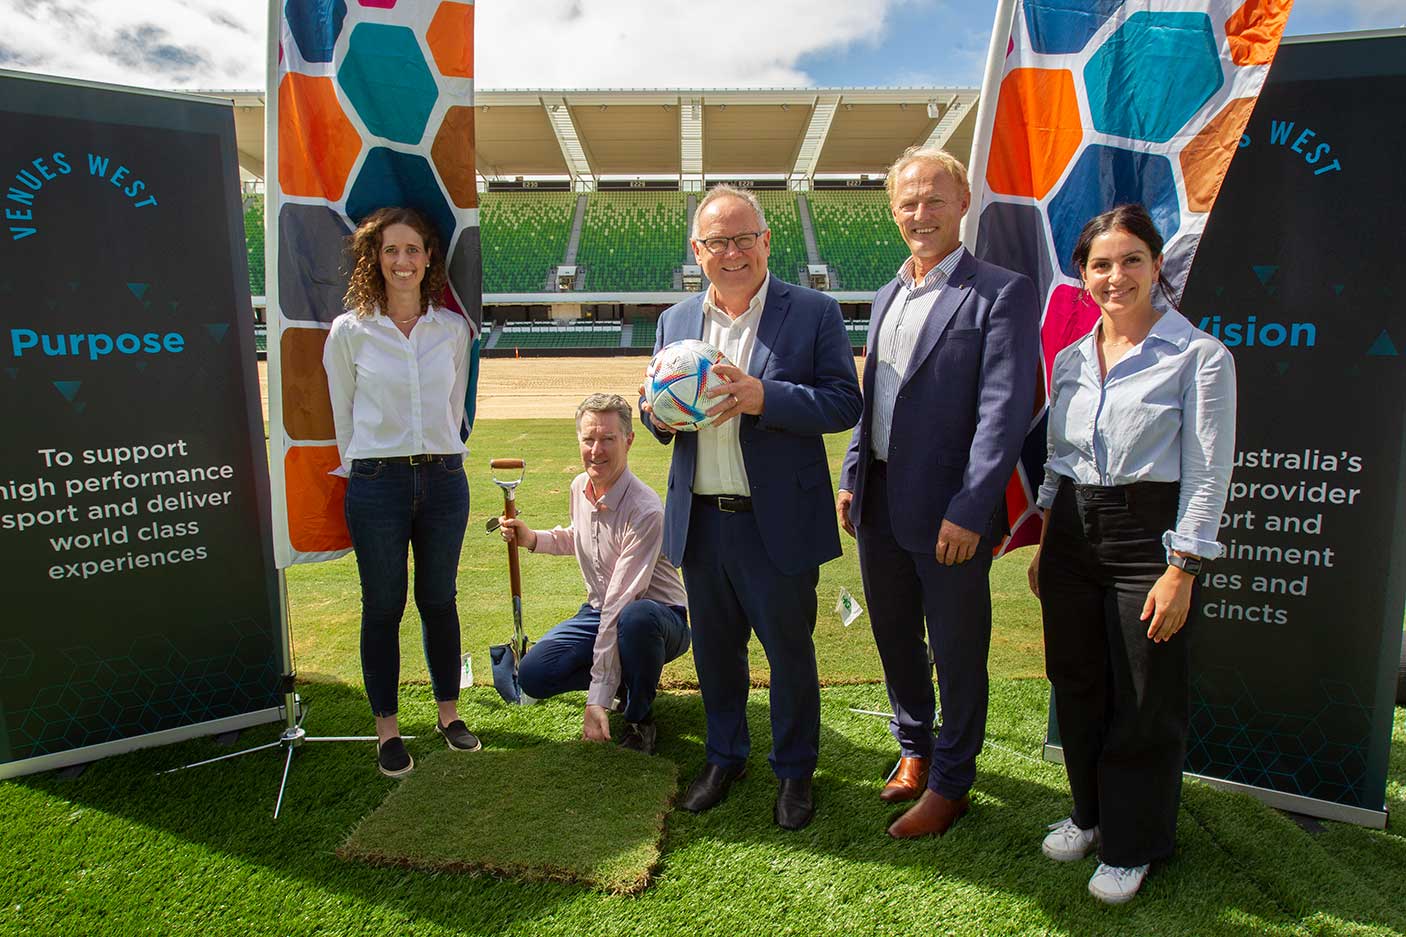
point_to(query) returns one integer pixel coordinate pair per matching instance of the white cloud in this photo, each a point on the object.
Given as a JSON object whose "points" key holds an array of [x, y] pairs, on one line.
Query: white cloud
{"points": [[521, 43], [153, 43], [662, 43], [541, 43]]}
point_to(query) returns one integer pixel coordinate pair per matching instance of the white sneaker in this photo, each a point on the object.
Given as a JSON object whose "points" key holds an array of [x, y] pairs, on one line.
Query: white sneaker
{"points": [[1114, 884], [1066, 842]]}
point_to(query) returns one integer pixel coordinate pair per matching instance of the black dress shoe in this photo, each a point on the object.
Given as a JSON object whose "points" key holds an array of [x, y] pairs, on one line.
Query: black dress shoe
{"points": [[710, 787], [795, 804]]}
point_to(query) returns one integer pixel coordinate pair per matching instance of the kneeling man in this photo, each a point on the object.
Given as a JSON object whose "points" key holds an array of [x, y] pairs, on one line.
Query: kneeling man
{"points": [[634, 620]]}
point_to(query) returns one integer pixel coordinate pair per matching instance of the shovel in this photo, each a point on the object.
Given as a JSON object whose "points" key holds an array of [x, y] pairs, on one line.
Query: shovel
{"points": [[505, 658]]}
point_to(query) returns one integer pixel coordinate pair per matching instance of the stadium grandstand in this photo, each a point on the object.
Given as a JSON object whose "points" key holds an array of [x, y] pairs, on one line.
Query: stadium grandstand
{"points": [[586, 198]]}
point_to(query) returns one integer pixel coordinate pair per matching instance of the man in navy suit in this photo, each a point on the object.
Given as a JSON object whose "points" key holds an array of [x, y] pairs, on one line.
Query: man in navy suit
{"points": [[949, 391], [747, 514]]}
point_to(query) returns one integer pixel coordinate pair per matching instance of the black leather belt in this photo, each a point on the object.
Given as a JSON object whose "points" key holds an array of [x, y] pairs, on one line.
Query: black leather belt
{"points": [[1141, 492], [412, 459], [730, 504]]}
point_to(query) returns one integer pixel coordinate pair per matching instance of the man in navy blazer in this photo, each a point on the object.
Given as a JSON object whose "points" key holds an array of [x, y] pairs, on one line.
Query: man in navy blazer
{"points": [[747, 512], [949, 391]]}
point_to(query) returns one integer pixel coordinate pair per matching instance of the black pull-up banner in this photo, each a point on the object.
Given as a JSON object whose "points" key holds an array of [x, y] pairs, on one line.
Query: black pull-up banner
{"points": [[1299, 273], [141, 602]]}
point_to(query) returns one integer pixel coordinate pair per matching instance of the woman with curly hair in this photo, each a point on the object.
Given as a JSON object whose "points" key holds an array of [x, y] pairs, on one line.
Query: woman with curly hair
{"points": [[398, 369]]}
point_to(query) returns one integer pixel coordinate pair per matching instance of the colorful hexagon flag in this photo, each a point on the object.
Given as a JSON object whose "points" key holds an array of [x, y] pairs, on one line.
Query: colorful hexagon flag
{"points": [[1100, 102], [374, 108]]}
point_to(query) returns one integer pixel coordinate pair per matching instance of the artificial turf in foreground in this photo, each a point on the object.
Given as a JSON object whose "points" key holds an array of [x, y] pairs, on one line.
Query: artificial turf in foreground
{"points": [[121, 850], [560, 811]]}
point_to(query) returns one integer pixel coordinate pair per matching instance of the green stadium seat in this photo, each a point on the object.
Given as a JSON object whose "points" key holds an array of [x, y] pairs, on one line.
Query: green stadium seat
{"points": [[524, 237], [254, 244], [856, 236], [858, 331], [788, 246], [642, 333], [569, 335], [632, 241]]}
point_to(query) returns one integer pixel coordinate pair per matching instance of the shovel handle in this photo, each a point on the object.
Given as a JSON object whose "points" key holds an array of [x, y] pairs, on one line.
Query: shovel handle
{"points": [[506, 464], [514, 573]]}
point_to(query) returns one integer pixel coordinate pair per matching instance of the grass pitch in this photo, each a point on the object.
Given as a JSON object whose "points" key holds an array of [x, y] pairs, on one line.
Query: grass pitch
{"points": [[325, 597]]}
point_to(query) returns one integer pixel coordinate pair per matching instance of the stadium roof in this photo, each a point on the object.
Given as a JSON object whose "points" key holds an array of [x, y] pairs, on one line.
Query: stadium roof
{"points": [[586, 134]]}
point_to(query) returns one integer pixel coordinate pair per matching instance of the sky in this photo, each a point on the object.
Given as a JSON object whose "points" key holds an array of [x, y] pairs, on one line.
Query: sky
{"points": [[220, 44]]}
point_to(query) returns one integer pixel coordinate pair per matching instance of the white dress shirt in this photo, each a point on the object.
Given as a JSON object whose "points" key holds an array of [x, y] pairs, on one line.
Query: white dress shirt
{"points": [[1164, 413], [898, 336], [394, 395], [719, 469]]}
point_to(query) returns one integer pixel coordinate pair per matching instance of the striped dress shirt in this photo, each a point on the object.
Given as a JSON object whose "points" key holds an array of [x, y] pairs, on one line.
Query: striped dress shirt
{"points": [[897, 337]]}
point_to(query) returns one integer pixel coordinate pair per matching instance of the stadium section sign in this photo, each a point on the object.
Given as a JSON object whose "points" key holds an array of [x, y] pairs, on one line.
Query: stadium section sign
{"points": [[141, 599]]}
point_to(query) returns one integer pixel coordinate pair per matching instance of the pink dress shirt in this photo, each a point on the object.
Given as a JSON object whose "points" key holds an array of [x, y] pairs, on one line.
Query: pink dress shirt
{"points": [[617, 541]]}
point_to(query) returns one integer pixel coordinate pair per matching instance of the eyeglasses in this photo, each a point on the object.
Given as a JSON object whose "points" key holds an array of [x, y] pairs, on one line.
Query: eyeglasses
{"points": [[744, 242]]}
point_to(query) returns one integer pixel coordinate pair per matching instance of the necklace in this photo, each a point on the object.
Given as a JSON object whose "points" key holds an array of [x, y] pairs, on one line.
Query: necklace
{"points": [[403, 321]]}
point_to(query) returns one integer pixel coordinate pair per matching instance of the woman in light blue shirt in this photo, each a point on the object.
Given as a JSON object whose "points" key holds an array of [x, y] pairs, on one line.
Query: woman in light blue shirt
{"points": [[1141, 440]]}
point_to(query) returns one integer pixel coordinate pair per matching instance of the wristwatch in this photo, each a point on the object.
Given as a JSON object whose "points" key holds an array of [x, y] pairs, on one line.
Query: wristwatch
{"points": [[1189, 564]]}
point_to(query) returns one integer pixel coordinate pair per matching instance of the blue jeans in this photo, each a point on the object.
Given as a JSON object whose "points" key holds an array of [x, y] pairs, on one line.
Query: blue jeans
{"points": [[390, 507], [649, 635]]}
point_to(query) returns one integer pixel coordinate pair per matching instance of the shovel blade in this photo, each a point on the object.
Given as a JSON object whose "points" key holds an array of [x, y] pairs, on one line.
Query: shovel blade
{"points": [[504, 659], [504, 662]]}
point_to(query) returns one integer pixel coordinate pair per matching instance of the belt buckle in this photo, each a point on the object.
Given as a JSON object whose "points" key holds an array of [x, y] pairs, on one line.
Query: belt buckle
{"points": [[726, 502], [418, 459]]}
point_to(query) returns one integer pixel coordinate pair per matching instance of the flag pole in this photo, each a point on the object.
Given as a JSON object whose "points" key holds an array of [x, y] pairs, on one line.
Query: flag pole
{"points": [[986, 116]]}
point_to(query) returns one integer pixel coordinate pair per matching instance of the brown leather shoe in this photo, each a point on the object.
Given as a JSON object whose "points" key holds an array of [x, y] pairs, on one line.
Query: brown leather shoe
{"points": [[932, 815], [908, 782]]}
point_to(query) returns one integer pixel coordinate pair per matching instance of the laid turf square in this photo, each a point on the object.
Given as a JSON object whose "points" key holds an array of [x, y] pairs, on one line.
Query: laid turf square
{"points": [[570, 812]]}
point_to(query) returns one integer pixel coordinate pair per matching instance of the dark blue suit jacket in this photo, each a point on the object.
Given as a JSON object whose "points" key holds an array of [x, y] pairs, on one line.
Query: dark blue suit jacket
{"points": [[963, 409], [802, 355]]}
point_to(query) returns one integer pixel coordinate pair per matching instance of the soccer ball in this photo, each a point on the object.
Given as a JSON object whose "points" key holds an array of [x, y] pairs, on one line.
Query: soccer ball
{"points": [[680, 384]]}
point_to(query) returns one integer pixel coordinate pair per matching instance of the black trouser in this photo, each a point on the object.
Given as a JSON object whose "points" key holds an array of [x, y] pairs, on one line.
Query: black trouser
{"points": [[1121, 701]]}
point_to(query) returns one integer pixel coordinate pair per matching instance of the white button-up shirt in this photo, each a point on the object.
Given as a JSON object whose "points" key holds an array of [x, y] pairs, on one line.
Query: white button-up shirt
{"points": [[897, 338], [394, 395], [719, 469]]}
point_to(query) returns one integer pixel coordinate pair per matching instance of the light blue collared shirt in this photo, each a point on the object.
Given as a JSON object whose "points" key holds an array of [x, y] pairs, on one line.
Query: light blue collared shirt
{"points": [[898, 336], [1165, 413]]}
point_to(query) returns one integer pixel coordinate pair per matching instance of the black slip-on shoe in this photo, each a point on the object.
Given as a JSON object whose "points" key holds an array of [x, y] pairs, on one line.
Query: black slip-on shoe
{"points": [[458, 737], [795, 803], [640, 737], [710, 787], [392, 759]]}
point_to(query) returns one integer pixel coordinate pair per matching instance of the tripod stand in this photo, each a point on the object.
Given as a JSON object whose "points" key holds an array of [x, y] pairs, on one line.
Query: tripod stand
{"points": [[294, 735]]}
